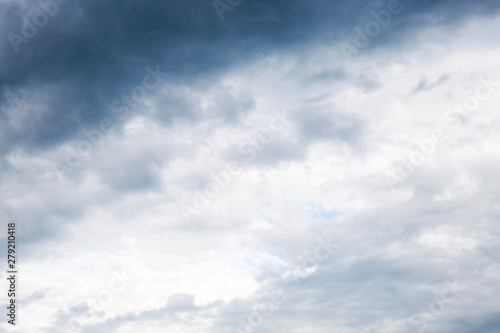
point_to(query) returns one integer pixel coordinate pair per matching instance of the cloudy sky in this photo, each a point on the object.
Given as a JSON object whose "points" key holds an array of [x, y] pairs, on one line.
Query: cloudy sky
{"points": [[251, 165]]}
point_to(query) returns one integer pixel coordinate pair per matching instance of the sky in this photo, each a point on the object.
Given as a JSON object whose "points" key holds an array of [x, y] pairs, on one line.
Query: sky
{"points": [[242, 166]]}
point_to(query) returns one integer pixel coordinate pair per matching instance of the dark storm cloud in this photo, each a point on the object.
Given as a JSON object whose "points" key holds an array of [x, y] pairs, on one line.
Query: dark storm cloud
{"points": [[91, 52]]}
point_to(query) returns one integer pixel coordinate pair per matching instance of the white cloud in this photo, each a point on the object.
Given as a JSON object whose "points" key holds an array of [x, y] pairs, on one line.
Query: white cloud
{"points": [[118, 210]]}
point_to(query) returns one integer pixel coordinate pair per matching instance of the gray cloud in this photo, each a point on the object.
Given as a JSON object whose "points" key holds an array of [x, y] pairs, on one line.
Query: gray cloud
{"points": [[319, 174], [92, 52]]}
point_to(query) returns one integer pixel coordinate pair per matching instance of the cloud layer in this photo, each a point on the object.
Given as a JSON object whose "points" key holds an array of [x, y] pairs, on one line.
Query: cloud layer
{"points": [[171, 170]]}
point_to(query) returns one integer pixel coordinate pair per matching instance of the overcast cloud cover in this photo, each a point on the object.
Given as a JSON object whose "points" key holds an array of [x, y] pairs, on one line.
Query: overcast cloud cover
{"points": [[251, 165]]}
